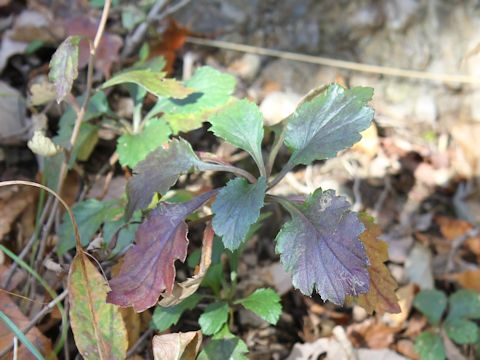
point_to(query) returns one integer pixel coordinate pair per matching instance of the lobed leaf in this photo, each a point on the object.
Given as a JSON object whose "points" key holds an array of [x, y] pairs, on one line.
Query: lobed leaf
{"points": [[327, 121], [265, 303], [431, 303], [97, 327], [236, 208], [381, 295], [148, 268], [158, 172], [164, 317], [133, 148], [153, 82], [212, 90], [320, 247], [64, 66], [213, 318], [241, 124]]}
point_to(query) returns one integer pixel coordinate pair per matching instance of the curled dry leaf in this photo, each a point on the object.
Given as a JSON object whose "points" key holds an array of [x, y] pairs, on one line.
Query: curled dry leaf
{"points": [[148, 269], [186, 288], [43, 145], [177, 346]]}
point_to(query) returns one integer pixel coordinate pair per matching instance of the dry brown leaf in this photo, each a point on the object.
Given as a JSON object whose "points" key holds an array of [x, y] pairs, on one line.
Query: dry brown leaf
{"points": [[42, 343], [13, 205], [405, 297], [407, 348], [186, 288], [469, 279], [375, 334], [381, 295], [177, 346]]}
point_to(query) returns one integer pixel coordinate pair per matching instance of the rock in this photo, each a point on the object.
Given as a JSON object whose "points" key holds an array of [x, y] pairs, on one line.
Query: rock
{"points": [[277, 106]]}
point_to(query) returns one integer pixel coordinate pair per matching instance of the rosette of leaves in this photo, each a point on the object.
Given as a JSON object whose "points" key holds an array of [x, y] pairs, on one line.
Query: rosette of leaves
{"points": [[320, 245], [458, 325]]}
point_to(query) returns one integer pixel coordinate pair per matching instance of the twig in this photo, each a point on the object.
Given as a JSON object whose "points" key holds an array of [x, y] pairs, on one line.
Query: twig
{"points": [[132, 41], [133, 350], [171, 9], [341, 64], [36, 319]]}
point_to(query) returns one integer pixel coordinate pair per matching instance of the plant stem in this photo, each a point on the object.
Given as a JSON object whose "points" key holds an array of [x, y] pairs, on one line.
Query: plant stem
{"points": [[280, 175], [229, 168], [275, 149]]}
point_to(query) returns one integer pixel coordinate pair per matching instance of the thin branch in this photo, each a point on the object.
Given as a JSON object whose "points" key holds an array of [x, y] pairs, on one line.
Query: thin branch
{"points": [[341, 64]]}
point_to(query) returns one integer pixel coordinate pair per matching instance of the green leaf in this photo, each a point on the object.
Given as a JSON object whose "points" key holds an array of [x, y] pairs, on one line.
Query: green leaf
{"points": [[231, 348], [212, 91], [327, 121], [164, 317], [462, 331], [430, 346], [153, 82], [90, 215], [432, 304], [133, 148], [236, 208], [64, 66], [213, 318], [158, 172], [125, 232], [241, 124], [97, 326], [265, 303], [464, 304]]}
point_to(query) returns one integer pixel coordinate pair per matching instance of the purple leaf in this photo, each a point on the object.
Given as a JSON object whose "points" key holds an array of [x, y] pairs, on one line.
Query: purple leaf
{"points": [[148, 268], [320, 247]]}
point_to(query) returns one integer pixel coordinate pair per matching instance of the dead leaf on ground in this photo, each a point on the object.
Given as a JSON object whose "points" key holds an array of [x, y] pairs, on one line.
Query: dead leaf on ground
{"points": [[18, 200], [13, 125], [469, 279], [177, 346], [42, 343], [407, 348], [405, 297], [452, 229], [276, 276], [418, 267], [372, 334]]}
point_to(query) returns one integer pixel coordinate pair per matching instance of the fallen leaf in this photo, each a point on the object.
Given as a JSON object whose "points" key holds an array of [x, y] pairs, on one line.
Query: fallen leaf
{"points": [[42, 93], [375, 334], [42, 343], [378, 354], [177, 346], [469, 279], [172, 40], [188, 287], [42, 145], [452, 229], [13, 205], [97, 326], [407, 348], [148, 268], [418, 267], [369, 144], [381, 295], [405, 296]]}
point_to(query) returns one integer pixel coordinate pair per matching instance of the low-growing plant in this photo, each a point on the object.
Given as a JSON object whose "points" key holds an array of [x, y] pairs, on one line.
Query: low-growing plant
{"points": [[327, 248], [454, 323]]}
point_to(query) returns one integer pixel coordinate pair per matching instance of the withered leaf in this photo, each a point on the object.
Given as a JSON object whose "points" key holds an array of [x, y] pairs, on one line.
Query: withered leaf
{"points": [[381, 295], [148, 269]]}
